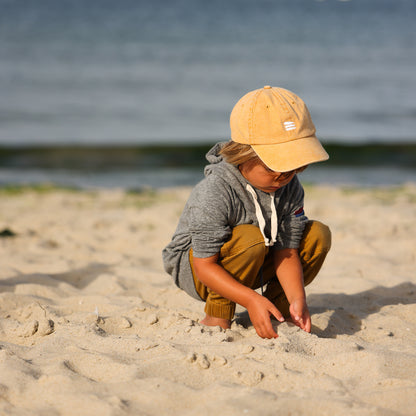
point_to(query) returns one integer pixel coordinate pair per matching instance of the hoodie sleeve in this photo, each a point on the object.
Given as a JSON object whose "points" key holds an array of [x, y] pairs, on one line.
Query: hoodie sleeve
{"points": [[293, 219], [209, 217]]}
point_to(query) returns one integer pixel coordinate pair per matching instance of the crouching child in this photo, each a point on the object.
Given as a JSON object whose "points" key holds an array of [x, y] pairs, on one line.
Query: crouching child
{"points": [[244, 226]]}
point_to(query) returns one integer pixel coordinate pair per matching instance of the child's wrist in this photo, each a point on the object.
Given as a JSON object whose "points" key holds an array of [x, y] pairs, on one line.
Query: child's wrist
{"points": [[296, 299]]}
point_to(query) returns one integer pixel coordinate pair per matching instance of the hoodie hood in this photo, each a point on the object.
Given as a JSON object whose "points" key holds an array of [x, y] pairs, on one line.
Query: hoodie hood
{"points": [[219, 167], [215, 159], [213, 155]]}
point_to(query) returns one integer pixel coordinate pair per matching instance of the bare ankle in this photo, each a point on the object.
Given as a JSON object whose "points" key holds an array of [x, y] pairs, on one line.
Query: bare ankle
{"points": [[213, 321]]}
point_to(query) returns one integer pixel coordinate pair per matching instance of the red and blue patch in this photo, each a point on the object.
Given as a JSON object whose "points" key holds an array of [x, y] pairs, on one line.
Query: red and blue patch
{"points": [[299, 212]]}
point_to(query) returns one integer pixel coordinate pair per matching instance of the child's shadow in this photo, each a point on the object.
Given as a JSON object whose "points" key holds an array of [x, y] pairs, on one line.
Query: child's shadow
{"points": [[348, 311], [79, 278]]}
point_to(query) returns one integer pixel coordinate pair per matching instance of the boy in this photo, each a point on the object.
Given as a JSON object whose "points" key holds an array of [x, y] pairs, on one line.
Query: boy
{"points": [[244, 226]]}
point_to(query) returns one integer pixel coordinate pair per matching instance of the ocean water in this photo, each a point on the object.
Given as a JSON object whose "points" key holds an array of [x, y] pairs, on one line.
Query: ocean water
{"points": [[135, 72]]}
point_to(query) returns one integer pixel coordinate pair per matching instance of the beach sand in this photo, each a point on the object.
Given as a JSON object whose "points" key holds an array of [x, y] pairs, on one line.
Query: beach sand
{"points": [[90, 324]]}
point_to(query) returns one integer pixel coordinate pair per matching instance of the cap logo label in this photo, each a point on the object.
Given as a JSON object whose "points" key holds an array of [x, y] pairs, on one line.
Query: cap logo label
{"points": [[289, 125]]}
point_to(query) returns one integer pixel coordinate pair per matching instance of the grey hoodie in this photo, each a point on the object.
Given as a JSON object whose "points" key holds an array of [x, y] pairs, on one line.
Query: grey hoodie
{"points": [[220, 202]]}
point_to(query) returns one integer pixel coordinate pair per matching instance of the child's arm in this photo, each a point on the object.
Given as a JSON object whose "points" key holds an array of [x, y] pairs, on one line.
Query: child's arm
{"points": [[214, 276], [290, 274]]}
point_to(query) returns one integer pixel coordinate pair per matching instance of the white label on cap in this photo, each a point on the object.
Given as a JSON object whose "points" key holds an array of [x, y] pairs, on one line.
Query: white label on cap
{"points": [[289, 125]]}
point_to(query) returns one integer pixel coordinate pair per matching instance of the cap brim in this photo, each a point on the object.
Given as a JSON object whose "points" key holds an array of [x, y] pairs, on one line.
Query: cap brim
{"points": [[283, 157]]}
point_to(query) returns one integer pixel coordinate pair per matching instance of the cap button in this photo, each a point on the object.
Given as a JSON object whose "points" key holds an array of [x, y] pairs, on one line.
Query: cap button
{"points": [[267, 87]]}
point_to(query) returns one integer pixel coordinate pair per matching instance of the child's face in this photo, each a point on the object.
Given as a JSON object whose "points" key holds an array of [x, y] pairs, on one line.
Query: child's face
{"points": [[263, 178]]}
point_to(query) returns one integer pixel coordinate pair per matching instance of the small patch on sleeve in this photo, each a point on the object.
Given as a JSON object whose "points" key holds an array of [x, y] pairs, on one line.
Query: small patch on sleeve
{"points": [[299, 212]]}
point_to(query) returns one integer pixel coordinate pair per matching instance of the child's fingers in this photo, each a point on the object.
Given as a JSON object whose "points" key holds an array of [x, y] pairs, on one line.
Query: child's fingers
{"points": [[267, 330], [276, 313], [303, 322], [271, 332], [307, 326]]}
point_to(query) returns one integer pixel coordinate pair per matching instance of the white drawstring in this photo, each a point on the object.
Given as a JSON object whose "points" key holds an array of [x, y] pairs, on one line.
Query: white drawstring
{"points": [[273, 220], [260, 218]]}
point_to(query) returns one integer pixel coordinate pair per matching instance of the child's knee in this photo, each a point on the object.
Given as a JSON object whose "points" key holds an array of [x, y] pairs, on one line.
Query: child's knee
{"points": [[316, 237]]}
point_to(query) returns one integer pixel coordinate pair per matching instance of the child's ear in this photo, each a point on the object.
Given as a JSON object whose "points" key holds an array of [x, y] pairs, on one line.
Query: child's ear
{"points": [[246, 166]]}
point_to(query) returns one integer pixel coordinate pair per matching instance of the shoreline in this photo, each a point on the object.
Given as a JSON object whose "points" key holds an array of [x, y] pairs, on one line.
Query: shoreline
{"points": [[168, 166], [14, 189], [170, 178], [90, 322], [129, 156]]}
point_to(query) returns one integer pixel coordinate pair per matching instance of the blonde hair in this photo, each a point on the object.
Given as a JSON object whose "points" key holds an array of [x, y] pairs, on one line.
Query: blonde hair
{"points": [[238, 153]]}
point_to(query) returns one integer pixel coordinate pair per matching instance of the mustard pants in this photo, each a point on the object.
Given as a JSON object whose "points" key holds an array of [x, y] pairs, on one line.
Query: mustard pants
{"points": [[245, 254]]}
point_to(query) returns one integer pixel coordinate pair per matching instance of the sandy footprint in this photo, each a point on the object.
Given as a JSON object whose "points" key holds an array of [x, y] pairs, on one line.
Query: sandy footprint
{"points": [[249, 378]]}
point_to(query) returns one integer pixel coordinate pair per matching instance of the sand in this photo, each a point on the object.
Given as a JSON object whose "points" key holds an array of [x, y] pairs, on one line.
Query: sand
{"points": [[91, 325]]}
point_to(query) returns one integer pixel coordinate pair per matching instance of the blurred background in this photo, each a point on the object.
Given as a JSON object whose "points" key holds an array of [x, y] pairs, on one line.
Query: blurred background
{"points": [[132, 93]]}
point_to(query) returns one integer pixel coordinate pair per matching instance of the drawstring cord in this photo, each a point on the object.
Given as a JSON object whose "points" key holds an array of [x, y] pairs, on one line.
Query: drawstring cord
{"points": [[260, 218], [262, 224]]}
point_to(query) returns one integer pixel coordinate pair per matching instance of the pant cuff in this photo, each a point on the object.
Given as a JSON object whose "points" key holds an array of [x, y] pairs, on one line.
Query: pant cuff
{"points": [[216, 310]]}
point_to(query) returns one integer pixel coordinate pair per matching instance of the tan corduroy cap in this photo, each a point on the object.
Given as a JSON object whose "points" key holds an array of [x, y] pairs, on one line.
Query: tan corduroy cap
{"points": [[278, 126]]}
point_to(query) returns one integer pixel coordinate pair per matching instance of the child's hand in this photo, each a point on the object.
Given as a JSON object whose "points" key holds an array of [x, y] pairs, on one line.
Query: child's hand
{"points": [[260, 309], [300, 314]]}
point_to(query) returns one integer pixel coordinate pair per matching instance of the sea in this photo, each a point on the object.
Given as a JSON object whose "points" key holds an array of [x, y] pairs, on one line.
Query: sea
{"points": [[131, 93]]}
